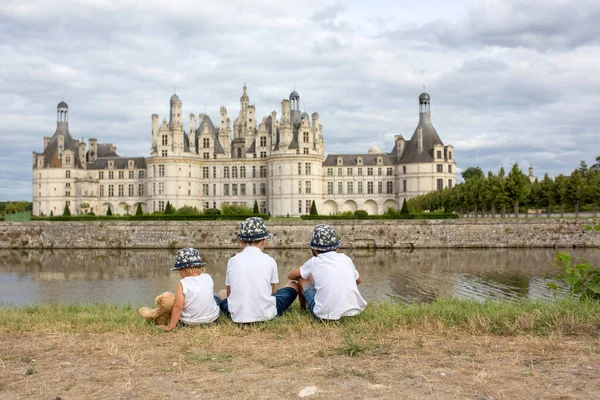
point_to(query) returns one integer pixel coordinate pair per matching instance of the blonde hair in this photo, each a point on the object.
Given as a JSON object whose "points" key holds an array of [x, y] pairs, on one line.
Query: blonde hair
{"points": [[193, 270]]}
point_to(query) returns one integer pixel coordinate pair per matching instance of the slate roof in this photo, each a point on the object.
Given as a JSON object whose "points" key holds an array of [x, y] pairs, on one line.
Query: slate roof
{"points": [[120, 163], [206, 121], [412, 154], [350, 160], [51, 159]]}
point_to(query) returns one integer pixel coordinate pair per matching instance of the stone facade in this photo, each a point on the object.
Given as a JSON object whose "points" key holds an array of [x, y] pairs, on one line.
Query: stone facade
{"points": [[466, 233], [280, 163]]}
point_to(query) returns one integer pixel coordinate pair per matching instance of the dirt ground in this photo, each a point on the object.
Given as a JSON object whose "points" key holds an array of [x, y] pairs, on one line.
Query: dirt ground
{"points": [[253, 364]]}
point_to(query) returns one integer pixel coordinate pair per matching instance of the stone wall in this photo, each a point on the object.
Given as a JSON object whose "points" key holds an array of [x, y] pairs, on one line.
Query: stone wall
{"points": [[464, 233]]}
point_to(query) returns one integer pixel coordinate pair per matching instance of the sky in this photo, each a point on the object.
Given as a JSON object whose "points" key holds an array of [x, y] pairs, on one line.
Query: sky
{"points": [[510, 81]]}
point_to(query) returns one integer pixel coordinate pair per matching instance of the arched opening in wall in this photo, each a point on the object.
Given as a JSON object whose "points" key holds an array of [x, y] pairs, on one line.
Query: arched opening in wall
{"points": [[330, 208], [123, 208], [389, 203], [370, 206], [349, 205], [239, 152], [135, 207], [105, 208]]}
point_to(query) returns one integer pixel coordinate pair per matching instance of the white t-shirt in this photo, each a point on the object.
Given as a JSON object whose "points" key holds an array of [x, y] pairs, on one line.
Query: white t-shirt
{"points": [[250, 274], [199, 306], [335, 281]]}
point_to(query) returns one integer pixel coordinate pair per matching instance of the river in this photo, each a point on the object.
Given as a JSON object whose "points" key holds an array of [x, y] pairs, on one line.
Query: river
{"points": [[137, 276]]}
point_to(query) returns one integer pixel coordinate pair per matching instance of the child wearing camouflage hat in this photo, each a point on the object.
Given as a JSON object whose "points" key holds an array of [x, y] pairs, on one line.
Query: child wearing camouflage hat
{"points": [[249, 294], [329, 279], [195, 303]]}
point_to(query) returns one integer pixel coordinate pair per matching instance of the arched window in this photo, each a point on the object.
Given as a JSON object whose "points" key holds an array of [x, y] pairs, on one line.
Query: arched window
{"points": [[225, 172], [234, 172], [242, 172]]}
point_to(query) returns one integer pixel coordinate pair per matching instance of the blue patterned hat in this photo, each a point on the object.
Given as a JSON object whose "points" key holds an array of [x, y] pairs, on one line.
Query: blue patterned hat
{"points": [[188, 258], [253, 229], [324, 238]]}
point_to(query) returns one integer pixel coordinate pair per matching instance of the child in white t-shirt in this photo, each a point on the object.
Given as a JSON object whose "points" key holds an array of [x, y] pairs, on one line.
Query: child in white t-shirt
{"points": [[195, 303], [329, 279], [249, 294]]}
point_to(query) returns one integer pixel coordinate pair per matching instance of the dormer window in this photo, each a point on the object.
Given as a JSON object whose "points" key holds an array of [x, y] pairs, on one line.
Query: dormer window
{"points": [[450, 155], [379, 161], [359, 160], [111, 164], [439, 154], [340, 161], [130, 164]]}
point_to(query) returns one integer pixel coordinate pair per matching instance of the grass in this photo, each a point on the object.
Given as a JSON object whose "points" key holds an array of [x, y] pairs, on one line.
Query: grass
{"points": [[508, 318]]}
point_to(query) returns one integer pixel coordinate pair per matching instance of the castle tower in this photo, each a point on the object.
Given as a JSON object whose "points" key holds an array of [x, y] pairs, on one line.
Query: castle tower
{"points": [[175, 114]]}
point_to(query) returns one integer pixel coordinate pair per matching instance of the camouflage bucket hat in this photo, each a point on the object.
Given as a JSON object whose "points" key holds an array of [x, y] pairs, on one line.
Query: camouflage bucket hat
{"points": [[324, 238], [253, 229], [188, 258]]}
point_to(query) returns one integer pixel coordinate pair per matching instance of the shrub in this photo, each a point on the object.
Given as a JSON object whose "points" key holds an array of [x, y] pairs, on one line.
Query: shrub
{"points": [[139, 210], [109, 212], [255, 209], [404, 209], [313, 209], [188, 210], [169, 209], [66, 212], [212, 211], [361, 213], [235, 210]]}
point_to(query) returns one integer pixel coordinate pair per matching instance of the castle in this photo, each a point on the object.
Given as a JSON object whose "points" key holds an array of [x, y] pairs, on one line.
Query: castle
{"points": [[280, 163]]}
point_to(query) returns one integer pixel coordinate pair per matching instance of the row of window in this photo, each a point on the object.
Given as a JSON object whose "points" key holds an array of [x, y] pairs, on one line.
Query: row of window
{"points": [[389, 171], [440, 168], [234, 189], [121, 190], [235, 172], [439, 154], [389, 187], [121, 174]]}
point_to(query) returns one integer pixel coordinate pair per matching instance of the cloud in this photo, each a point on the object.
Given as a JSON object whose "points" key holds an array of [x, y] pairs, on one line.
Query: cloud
{"points": [[507, 82]]}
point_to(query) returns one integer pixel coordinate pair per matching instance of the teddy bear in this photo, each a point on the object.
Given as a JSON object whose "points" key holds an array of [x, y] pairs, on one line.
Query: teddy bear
{"points": [[162, 313]]}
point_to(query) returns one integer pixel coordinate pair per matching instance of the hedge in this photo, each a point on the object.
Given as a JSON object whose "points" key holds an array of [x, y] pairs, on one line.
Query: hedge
{"points": [[404, 216], [150, 217]]}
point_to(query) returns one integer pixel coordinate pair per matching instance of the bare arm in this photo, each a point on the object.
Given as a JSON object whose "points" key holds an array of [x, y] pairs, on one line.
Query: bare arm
{"points": [[359, 280], [272, 288], [294, 275], [177, 309], [228, 291]]}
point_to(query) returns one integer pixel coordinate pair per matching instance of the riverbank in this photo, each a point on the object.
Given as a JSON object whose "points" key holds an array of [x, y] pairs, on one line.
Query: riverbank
{"points": [[290, 234], [446, 349]]}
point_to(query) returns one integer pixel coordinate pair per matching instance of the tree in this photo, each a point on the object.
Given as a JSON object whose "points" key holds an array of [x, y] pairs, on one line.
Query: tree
{"points": [[255, 209], [583, 168], [188, 210], [127, 207], [517, 187], [51, 213], [84, 207], [139, 210], [404, 209], [592, 192], [109, 212], [66, 212], [560, 192], [575, 186], [169, 208], [545, 194], [313, 209], [472, 172], [10, 209]]}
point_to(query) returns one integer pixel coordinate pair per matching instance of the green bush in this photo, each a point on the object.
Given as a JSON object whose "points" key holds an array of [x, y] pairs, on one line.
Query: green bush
{"points": [[255, 209], [313, 209], [108, 212], [188, 210], [169, 209], [361, 214], [139, 210], [66, 211], [404, 209], [212, 211], [235, 210]]}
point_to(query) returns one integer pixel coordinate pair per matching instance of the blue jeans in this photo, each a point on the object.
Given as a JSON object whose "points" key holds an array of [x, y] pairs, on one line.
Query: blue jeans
{"points": [[284, 298], [309, 294], [217, 300]]}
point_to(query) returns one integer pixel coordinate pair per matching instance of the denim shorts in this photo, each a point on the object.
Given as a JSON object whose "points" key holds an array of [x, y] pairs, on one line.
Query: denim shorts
{"points": [[309, 294], [284, 298]]}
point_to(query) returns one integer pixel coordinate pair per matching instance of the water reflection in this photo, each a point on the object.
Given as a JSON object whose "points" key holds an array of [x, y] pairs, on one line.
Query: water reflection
{"points": [[136, 276]]}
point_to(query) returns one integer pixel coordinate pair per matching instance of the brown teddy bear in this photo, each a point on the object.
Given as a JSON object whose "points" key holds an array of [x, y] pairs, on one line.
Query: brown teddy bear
{"points": [[162, 313]]}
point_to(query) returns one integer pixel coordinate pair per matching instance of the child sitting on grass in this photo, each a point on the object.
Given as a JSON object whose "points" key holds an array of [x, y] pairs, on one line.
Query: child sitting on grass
{"points": [[249, 294], [329, 279], [195, 302]]}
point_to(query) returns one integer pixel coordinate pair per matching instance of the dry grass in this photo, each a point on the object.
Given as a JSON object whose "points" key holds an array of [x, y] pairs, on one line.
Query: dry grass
{"points": [[446, 350]]}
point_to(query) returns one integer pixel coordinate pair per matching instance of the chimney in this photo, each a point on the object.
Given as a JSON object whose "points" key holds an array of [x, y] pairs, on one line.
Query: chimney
{"points": [[420, 138], [46, 141]]}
